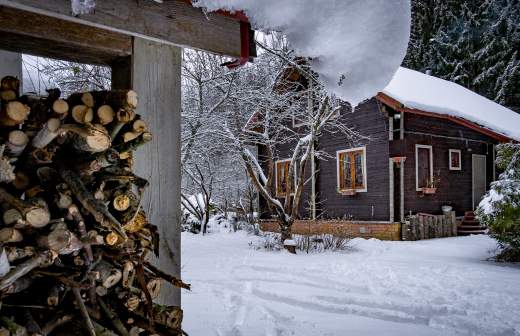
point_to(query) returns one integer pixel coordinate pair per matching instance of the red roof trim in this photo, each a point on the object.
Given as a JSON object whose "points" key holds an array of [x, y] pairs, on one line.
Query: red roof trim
{"points": [[398, 106]]}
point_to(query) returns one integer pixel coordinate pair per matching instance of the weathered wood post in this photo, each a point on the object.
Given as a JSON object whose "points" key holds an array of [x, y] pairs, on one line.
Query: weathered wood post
{"points": [[154, 72]]}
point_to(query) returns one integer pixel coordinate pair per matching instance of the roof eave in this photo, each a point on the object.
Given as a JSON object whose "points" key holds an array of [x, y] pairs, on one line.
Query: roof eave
{"points": [[398, 106]]}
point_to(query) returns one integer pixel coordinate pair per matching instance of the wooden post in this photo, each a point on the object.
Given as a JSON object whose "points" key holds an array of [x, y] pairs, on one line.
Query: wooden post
{"points": [[453, 223], [154, 72], [401, 191], [391, 189], [421, 227]]}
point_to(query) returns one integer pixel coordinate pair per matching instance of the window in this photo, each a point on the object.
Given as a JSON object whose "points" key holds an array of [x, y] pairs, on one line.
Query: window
{"points": [[351, 164], [282, 176], [301, 106], [455, 159], [423, 166]]}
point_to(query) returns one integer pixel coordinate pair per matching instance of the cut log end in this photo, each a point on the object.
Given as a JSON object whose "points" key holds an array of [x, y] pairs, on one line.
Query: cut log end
{"points": [[105, 114], [60, 107], [82, 114]]}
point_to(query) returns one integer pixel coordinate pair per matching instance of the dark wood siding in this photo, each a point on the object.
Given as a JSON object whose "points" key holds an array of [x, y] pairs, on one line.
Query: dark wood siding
{"points": [[368, 120], [454, 187]]}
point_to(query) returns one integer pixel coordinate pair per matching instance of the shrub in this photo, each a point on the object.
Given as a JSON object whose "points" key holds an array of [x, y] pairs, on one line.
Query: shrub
{"points": [[500, 207]]}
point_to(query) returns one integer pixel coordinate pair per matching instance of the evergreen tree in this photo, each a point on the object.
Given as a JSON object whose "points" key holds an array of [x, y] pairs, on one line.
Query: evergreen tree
{"points": [[472, 43], [500, 208]]}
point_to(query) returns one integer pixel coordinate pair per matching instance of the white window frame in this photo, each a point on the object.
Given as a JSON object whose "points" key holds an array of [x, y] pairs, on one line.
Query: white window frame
{"points": [[364, 162], [417, 164], [460, 159], [276, 177]]}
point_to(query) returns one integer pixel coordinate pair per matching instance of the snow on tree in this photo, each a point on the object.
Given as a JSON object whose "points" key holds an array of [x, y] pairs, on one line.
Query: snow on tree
{"points": [[281, 102], [500, 207], [355, 46], [472, 43]]}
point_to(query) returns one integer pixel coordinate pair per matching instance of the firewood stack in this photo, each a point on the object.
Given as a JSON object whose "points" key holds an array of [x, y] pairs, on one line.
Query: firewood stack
{"points": [[74, 239]]}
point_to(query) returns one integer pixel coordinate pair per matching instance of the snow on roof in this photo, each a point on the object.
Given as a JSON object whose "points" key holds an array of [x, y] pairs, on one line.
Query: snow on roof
{"points": [[419, 91], [355, 45]]}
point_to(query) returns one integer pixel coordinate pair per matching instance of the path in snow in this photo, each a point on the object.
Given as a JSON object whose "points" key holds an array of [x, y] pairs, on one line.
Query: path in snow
{"points": [[435, 287]]}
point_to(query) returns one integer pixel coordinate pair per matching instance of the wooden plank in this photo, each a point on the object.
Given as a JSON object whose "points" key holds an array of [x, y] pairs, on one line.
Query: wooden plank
{"points": [[156, 77], [174, 22], [41, 35]]}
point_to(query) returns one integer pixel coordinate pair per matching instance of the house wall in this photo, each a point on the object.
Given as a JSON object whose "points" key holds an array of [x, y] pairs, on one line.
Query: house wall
{"points": [[455, 186], [372, 205]]}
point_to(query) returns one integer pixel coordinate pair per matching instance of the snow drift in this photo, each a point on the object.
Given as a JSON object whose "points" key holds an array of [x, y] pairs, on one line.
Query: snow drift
{"points": [[356, 45]]}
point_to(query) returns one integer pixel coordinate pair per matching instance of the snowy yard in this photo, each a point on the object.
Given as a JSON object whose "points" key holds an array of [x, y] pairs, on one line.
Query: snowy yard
{"points": [[435, 287]]}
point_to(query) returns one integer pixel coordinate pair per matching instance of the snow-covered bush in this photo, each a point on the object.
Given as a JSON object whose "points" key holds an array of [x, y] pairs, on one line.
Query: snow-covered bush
{"points": [[500, 207], [305, 243]]}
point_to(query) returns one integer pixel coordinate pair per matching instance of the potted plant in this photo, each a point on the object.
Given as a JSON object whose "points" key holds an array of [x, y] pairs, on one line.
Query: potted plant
{"points": [[431, 186]]}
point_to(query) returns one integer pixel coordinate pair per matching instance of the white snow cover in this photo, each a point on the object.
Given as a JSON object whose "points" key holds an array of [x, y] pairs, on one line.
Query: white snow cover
{"points": [[356, 45], [438, 287], [80, 7], [417, 90]]}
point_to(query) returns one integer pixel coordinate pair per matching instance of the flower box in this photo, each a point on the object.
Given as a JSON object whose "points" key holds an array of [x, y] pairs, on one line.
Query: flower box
{"points": [[348, 192], [429, 191]]}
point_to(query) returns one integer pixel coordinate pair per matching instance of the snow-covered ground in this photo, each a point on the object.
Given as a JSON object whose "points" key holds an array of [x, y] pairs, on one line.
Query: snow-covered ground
{"points": [[434, 287]]}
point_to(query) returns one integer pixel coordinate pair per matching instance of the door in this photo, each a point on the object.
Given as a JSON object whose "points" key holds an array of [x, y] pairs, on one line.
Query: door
{"points": [[479, 185]]}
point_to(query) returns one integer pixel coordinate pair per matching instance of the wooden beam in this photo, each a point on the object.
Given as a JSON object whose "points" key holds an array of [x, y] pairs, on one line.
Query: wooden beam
{"points": [[174, 21], [154, 72], [41, 35]]}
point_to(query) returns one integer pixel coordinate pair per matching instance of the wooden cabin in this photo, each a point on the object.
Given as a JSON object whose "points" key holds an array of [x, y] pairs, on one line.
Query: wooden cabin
{"points": [[430, 143]]}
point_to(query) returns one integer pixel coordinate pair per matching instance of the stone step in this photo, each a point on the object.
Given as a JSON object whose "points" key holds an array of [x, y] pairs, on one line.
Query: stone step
{"points": [[471, 227], [470, 232], [470, 222]]}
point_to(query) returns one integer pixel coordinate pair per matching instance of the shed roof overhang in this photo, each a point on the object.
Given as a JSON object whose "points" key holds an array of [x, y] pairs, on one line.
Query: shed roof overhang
{"points": [[398, 106], [48, 28]]}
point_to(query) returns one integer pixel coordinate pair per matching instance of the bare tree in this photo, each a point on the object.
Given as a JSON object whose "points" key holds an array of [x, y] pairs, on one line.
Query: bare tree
{"points": [[278, 107]]}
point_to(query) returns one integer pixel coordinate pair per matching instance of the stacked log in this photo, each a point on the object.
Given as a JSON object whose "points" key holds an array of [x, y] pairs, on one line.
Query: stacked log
{"points": [[74, 239]]}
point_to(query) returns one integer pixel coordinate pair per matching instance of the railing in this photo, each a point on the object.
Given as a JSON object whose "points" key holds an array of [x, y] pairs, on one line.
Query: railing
{"points": [[426, 226]]}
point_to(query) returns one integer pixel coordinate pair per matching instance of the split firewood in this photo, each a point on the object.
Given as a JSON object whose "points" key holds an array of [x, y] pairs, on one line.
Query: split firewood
{"points": [[17, 142], [61, 241], [6, 168], [9, 88], [98, 162], [70, 200], [14, 253], [122, 118], [112, 316], [42, 259], [35, 212], [10, 83], [60, 108], [89, 138], [50, 130], [10, 235], [12, 217], [128, 274], [53, 298], [18, 286], [82, 114], [117, 99], [97, 208], [135, 143], [13, 113], [88, 322], [108, 274], [169, 278], [105, 114], [84, 98]]}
